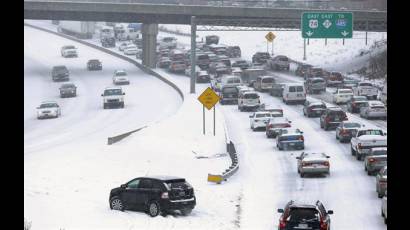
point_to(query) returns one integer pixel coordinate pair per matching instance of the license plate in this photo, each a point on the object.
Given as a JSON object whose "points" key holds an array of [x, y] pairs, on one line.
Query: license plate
{"points": [[337, 119], [292, 144], [302, 225], [299, 95], [318, 112]]}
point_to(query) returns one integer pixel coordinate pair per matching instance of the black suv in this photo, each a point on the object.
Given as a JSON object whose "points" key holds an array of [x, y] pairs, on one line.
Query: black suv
{"points": [[211, 39], [60, 73], [108, 42], [332, 117], [154, 195], [304, 216], [94, 64], [261, 57]]}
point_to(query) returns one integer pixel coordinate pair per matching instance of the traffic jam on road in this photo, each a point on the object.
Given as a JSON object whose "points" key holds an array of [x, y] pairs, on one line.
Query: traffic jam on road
{"points": [[291, 102], [328, 96]]}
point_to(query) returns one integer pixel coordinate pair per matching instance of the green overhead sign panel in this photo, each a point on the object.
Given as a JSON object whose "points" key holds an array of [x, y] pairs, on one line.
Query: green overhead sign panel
{"points": [[327, 24]]}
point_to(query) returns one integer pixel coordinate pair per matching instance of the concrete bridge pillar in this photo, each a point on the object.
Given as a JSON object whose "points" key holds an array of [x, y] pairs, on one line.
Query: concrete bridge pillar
{"points": [[149, 44]]}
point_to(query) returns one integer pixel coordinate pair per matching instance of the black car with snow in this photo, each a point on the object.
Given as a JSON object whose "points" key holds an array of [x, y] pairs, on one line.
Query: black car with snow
{"points": [[94, 64], [68, 90], [154, 195], [261, 57], [211, 39], [108, 42], [60, 73]]}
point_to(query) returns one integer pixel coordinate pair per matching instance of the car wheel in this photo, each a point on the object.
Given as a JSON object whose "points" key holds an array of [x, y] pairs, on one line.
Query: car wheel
{"points": [[325, 127], [153, 209], [352, 151], [302, 175], [105, 106], [186, 212], [369, 173], [337, 138], [358, 157], [379, 195], [116, 203], [253, 129]]}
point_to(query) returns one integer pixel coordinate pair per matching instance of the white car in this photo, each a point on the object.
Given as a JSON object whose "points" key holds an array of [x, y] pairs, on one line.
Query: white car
{"points": [[365, 139], [372, 109], [48, 109], [131, 50], [120, 78], [259, 120], [249, 100], [113, 97], [124, 45], [342, 96], [366, 89], [69, 51]]}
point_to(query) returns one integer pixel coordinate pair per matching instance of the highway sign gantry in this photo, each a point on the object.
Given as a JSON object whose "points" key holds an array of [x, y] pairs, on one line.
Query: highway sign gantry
{"points": [[209, 98], [327, 25], [270, 36]]}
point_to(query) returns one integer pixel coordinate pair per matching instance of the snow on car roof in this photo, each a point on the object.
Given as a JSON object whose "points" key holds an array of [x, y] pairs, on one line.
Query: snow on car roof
{"points": [[48, 102], [379, 149], [113, 87], [250, 92], [164, 177], [375, 103]]}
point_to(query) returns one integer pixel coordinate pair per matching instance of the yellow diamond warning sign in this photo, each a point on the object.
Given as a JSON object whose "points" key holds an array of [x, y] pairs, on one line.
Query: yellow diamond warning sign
{"points": [[208, 98], [270, 36]]}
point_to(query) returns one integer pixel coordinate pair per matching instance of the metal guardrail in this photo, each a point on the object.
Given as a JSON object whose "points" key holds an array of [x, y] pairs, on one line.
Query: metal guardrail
{"points": [[230, 148], [112, 140]]}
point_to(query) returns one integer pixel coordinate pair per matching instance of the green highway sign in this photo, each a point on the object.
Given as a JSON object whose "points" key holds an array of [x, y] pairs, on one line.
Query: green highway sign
{"points": [[327, 25]]}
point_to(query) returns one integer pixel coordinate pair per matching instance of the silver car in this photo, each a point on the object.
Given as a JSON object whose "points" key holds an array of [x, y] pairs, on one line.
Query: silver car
{"points": [[381, 182], [313, 163], [373, 109], [275, 124], [376, 160]]}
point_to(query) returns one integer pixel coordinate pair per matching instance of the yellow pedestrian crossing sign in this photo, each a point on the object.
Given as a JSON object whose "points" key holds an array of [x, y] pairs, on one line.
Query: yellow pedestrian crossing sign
{"points": [[270, 36]]}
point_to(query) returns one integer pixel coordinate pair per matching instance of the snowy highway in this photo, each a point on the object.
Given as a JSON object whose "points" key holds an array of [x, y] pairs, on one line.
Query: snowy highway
{"points": [[69, 170]]}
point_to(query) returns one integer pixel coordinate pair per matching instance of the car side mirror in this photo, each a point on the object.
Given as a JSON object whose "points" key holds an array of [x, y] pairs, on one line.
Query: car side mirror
{"points": [[280, 210], [385, 134], [123, 93], [102, 95], [123, 186], [298, 158], [290, 121], [327, 156], [329, 211]]}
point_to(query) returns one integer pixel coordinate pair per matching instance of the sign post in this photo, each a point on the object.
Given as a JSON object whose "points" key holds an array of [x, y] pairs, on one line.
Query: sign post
{"points": [[327, 25], [208, 98], [269, 38]]}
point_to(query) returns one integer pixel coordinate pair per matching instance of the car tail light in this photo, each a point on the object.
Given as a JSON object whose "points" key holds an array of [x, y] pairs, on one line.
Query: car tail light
{"points": [[270, 126], [301, 138], [310, 109], [305, 164], [383, 182], [164, 195], [282, 224], [327, 119], [326, 163], [354, 104], [344, 132], [287, 125], [372, 160], [359, 146], [323, 225]]}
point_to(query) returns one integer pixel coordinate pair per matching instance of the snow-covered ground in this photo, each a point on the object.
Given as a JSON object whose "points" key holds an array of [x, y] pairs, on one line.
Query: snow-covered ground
{"points": [[68, 167], [266, 180]]}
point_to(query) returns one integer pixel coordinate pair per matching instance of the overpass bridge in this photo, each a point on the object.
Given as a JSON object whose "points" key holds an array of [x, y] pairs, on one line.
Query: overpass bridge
{"points": [[152, 14]]}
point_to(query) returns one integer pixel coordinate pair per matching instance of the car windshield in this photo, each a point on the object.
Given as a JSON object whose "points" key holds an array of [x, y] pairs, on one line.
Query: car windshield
{"points": [[379, 152], [318, 81], [360, 98], [299, 88], [290, 138], [109, 92], [370, 132], [345, 91], [251, 96], [240, 62], [234, 80], [263, 115], [168, 39], [303, 214], [320, 106], [121, 73], [48, 105], [268, 80], [65, 86], [377, 107], [283, 59], [351, 125], [69, 47], [366, 84], [230, 90]]}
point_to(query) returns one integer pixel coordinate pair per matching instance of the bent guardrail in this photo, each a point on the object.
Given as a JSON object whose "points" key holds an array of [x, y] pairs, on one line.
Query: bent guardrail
{"points": [[233, 168], [114, 139]]}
